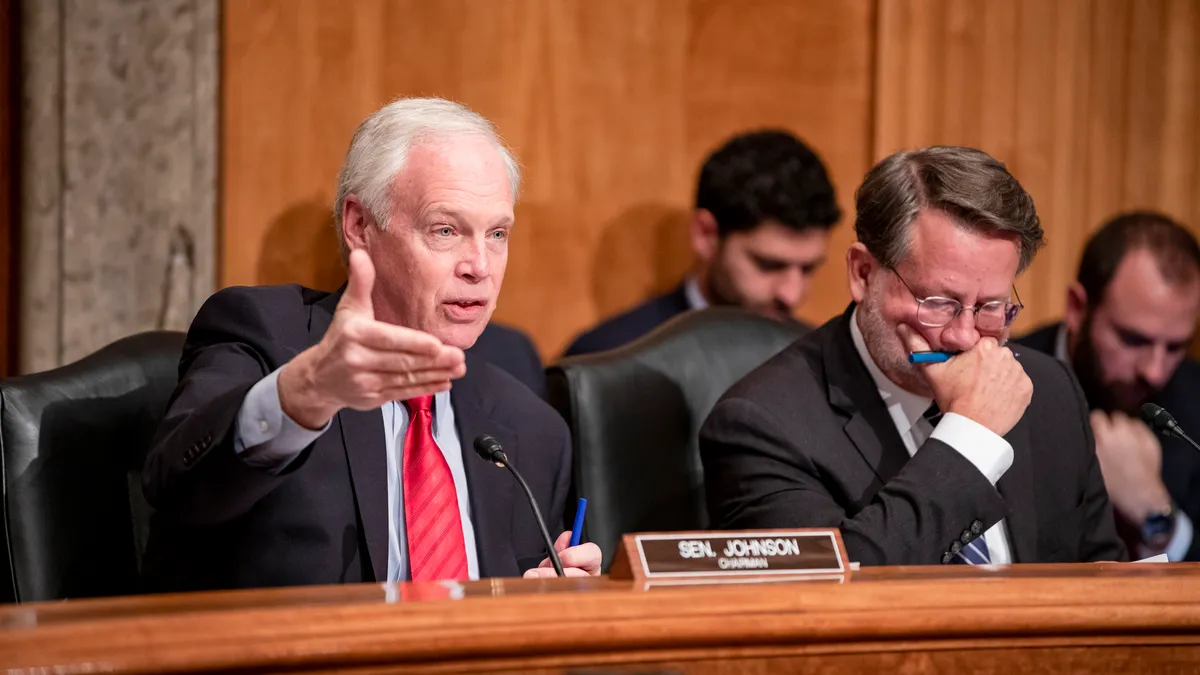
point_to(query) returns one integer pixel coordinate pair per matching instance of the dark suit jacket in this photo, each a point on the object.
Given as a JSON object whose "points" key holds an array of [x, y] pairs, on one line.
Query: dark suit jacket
{"points": [[632, 324], [1180, 461], [806, 441], [512, 351], [220, 523]]}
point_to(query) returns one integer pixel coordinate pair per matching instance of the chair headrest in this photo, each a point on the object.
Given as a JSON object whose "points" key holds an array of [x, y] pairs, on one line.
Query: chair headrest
{"points": [[635, 414], [713, 328]]}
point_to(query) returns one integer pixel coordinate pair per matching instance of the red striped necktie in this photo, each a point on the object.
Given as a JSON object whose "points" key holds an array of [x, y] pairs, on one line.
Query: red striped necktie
{"points": [[436, 549]]}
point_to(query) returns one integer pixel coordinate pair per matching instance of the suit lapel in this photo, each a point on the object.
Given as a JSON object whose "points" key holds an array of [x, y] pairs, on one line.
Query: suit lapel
{"points": [[491, 489], [366, 455], [851, 390], [1016, 487]]}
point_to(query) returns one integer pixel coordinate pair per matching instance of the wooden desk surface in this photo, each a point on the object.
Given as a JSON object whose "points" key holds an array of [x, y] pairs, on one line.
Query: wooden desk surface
{"points": [[1036, 618]]}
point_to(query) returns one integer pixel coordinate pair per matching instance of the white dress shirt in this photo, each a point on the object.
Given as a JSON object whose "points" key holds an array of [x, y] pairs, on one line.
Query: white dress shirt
{"points": [[990, 453], [691, 291]]}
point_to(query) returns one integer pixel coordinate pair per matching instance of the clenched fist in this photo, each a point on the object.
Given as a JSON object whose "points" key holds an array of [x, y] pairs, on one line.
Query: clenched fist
{"points": [[985, 384], [362, 363], [1131, 461]]}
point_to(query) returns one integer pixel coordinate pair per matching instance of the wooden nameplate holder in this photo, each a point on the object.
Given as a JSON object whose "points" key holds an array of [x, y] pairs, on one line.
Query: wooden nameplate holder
{"points": [[731, 556]]}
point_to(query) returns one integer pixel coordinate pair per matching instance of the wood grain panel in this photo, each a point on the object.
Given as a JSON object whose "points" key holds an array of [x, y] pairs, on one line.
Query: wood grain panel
{"points": [[610, 105], [1110, 618], [9, 157], [1091, 103]]}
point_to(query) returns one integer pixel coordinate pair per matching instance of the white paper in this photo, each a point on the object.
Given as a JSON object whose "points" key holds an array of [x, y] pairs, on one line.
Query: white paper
{"points": [[1161, 557]]}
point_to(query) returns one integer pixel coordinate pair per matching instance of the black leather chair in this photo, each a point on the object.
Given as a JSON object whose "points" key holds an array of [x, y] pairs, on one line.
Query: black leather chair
{"points": [[72, 443], [635, 413]]}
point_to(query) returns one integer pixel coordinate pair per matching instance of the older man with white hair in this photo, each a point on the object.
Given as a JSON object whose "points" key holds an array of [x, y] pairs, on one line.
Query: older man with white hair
{"points": [[326, 438]]}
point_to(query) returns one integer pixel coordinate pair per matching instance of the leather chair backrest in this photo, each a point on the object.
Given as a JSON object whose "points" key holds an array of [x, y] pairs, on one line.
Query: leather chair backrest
{"points": [[635, 414], [72, 444]]}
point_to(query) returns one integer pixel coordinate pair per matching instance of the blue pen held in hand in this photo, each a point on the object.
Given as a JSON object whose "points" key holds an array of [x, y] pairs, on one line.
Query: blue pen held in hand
{"points": [[577, 530], [929, 357], [942, 357]]}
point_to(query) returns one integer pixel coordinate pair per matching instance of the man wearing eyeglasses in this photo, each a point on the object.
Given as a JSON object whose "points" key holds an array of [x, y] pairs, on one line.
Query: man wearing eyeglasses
{"points": [[985, 458], [1131, 315]]}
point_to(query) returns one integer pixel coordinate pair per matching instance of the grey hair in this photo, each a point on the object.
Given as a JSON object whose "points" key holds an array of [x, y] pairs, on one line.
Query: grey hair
{"points": [[382, 143], [969, 185]]}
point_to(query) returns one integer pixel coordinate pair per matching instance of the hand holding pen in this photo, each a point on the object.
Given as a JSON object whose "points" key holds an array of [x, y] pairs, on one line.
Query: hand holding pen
{"points": [[985, 383], [578, 559]]}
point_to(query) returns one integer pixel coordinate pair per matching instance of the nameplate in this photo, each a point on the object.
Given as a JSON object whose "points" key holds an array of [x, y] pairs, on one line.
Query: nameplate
{"points": [[733, 556]]}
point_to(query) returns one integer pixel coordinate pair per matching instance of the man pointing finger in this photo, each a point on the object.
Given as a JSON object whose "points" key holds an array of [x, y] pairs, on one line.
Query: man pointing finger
{"points": [[322, 438]]}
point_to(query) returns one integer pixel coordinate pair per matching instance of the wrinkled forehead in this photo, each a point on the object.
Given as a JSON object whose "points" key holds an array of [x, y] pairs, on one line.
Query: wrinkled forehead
{"points": [[461, 172], [952, 260]]}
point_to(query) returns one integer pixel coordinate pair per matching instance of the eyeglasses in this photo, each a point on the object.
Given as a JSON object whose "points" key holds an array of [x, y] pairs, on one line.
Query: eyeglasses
{"points": [[991, 317]]}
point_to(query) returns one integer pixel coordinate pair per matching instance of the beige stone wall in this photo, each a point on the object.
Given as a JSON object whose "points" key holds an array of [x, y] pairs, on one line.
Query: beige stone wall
{"points": [[119, 171]]}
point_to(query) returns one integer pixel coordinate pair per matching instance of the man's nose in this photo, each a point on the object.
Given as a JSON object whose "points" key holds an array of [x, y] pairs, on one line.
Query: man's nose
{"points": [[960, 334], [790, 290], [474, 265], [1155, 367]]}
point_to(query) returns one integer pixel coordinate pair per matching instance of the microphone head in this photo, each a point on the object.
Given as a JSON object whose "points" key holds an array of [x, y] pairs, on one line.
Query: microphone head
{"points": [[1157, 417], [490, 449]]}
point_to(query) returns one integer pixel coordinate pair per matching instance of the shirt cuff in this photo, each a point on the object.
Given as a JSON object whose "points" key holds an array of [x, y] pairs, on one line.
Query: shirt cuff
{"points": [[1181, 540], [266, 437], [991, 454]]}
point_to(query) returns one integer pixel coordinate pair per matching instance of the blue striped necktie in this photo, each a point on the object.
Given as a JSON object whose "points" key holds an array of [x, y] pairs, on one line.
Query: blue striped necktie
{"points": [[973, 553]]}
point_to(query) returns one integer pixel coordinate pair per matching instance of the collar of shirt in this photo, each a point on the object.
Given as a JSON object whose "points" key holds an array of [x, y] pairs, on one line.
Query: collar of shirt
{"points": [[904, 406], [691, 291], [1060, 344], [441, 402]]}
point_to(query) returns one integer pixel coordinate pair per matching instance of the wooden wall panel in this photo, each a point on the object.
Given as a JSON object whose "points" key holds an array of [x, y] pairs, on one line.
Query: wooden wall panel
{"points": [[9, 99], [1091, 103], [611, 106]]}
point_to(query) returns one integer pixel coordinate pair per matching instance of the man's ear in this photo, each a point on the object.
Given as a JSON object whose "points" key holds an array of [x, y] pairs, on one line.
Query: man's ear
{"points": [[355, 221], [859, 266], [1076, 312], [704, 234]]}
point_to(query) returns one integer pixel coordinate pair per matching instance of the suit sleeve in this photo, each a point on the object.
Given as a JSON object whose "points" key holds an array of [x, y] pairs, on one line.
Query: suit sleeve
{"points": [[1098, 538], [562, 482], [264, 435], [193, 471], [757, 476]]}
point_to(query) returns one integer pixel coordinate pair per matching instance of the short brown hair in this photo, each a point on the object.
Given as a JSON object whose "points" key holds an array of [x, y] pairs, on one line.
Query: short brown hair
{"points": [[969, 185], [1175, 250]]}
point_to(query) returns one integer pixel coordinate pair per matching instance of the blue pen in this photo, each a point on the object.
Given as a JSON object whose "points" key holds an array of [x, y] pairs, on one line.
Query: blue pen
{"points": [[577, 530], [929, 357]]}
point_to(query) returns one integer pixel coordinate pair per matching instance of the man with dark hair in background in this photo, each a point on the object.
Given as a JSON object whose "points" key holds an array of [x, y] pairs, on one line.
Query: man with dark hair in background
{"points": [[1129, 320], [764, 208], [984, 458]]}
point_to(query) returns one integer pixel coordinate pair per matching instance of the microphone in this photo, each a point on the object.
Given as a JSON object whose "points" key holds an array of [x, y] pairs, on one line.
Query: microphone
{"points": [[1161, 421], [489, 449]]}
